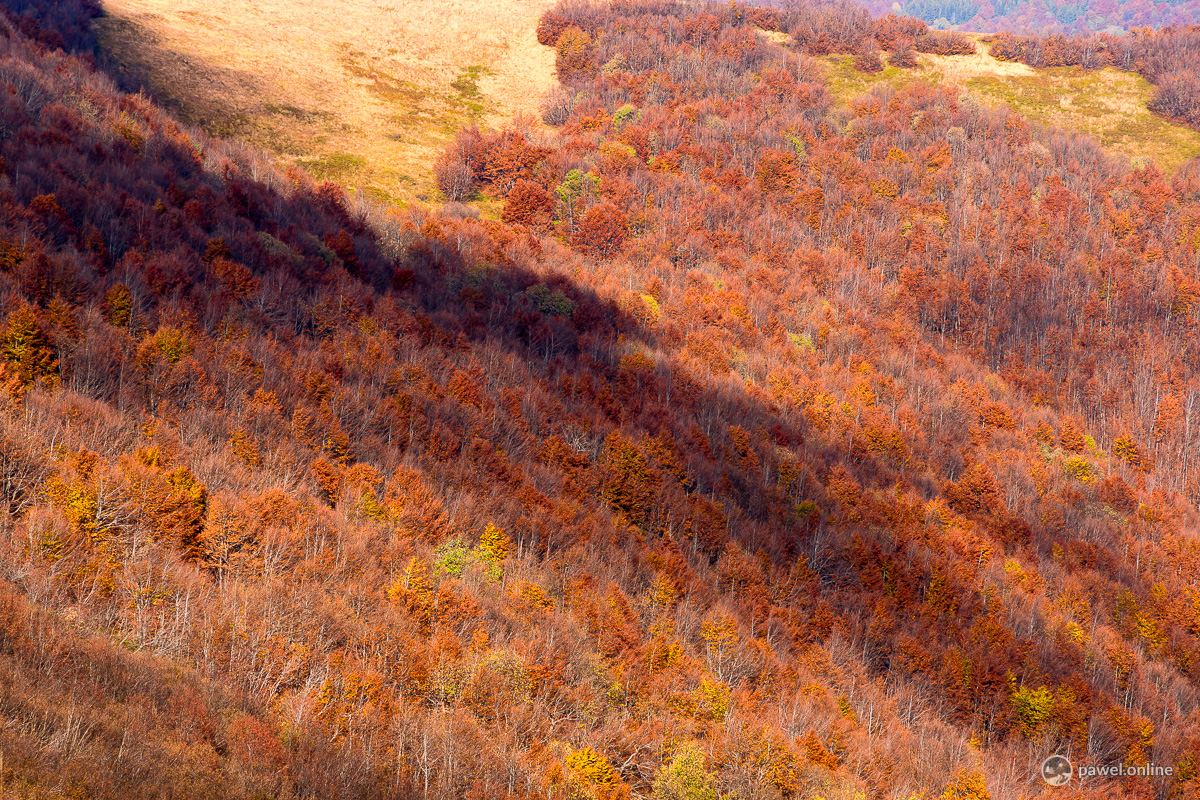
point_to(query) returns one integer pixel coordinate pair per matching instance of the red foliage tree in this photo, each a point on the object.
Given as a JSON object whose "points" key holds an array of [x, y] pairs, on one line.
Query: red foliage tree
{"points": [[528, 204], [550, 27], [945, 43], [575, 56], [777, 171], [507, 157], [868, 61], [602, 231], [342, 244], [904, 55]]}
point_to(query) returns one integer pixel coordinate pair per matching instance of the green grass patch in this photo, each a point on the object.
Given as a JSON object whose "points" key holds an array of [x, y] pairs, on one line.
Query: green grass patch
{"points": [[489, 207], [385, 197], [467, 83], [296, 113], [228, 127], [470, 100], [337, 167], [425, 115], [846, 83]]}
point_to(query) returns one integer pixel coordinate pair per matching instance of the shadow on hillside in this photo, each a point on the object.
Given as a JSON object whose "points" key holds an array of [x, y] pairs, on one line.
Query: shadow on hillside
{"points": [[195, 91]]}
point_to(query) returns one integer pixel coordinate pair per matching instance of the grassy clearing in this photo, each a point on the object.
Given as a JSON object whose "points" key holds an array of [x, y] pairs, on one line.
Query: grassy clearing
{"points": [[1107, 104], [425, 111], [358, 91], [846, 83]]}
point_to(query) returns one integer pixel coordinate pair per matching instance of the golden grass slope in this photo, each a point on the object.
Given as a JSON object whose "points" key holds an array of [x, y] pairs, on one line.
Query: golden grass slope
{"points": [[364, 92], [1108, 104]]}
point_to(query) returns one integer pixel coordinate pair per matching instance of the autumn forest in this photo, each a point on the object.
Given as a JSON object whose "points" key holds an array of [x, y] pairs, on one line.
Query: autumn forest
{"points": [[758, 446]]}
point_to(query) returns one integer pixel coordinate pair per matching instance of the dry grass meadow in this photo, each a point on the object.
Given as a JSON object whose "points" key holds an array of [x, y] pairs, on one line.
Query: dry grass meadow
{"points": [[1108, 104], [364, 92]]}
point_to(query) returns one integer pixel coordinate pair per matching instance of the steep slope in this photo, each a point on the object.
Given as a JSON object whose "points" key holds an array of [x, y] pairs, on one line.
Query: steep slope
{"points": [[766, 447]]}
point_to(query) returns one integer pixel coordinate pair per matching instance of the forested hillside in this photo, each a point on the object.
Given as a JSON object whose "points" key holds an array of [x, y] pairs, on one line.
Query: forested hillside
{"points": [[1044, 16], [763, 448]]}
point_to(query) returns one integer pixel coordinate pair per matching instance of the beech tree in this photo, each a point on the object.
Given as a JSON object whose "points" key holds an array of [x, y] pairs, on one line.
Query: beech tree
{"points": [[25, 346], [602, 231], [575, 58], [528, 204], [685, 778]]}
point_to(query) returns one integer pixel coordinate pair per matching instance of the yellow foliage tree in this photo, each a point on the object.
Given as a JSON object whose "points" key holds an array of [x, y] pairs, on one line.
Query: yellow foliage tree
{"points": [[25, 346], [721, 643], [493, 549], [967, 785], [591, 777], [685, 778], [245, 449]]}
